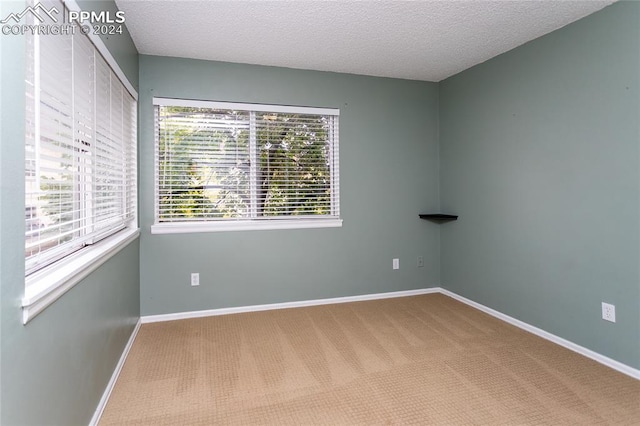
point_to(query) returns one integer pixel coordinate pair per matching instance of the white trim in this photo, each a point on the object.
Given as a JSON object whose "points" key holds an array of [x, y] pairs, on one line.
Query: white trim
{"points": [[244, 106], [114, 377], [616, 365], [242, 225], [48, 284], [255, 308], [104, 51]]}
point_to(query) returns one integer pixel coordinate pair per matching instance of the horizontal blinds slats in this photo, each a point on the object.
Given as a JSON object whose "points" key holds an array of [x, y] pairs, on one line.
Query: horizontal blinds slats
{"points": [[205, 170], [80, 148]]}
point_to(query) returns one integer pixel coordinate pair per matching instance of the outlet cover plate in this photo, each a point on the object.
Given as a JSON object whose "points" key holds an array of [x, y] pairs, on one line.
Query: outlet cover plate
{"points": [[608, 312]]}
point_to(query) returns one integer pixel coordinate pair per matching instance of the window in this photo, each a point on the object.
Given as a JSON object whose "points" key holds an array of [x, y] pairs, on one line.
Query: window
{"points": [[227, 166], [80, 172]]}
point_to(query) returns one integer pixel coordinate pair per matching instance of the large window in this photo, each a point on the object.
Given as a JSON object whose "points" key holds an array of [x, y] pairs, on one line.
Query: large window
{"points": [[80, 173], [237, 166]]}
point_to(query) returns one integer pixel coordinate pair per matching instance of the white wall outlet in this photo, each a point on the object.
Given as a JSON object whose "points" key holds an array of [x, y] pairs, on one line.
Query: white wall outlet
{"points": [[608, 312], [396, 263], [195, 279], [420, 261]]}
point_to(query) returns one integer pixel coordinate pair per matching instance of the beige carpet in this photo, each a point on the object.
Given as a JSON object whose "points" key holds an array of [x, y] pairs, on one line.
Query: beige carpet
{"points": [[412, 360]]}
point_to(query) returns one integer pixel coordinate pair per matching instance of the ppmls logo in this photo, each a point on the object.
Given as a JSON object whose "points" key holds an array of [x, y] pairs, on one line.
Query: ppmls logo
{"points": [[38, 11], [96, 23]]}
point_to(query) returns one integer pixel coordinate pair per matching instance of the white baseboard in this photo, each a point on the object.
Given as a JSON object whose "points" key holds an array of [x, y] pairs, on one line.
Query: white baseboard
{"points": [[254, 308], [612, 363], [114, 377]]}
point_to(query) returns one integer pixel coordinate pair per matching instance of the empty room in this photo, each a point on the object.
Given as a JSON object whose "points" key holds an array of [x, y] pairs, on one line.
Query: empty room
{"points": [[319, 212]]}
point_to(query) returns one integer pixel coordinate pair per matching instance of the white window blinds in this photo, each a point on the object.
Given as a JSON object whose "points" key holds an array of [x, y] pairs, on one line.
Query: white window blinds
{"points": [[218, 161], [80, 148]]}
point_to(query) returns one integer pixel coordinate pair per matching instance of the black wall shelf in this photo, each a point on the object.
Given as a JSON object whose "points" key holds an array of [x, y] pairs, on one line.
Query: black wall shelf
{"points": [[437, 217]]}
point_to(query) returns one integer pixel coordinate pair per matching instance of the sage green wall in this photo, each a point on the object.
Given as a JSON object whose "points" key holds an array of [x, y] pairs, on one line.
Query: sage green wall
{"points": [[540, 157], [54, 370], [388, 174]]}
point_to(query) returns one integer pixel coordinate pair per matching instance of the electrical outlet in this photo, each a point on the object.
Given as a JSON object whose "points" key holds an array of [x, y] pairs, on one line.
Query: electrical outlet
{"points": [[420, 261], [195, 279], [608, 312], [396, 263]]}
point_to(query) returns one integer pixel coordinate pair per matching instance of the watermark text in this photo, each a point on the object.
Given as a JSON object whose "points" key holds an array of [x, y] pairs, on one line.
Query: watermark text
{"points": [[38, 20]]}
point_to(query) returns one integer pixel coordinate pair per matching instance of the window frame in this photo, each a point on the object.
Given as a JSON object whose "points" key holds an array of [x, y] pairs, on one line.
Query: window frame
{"points": [[234, 224], [48, 283]]}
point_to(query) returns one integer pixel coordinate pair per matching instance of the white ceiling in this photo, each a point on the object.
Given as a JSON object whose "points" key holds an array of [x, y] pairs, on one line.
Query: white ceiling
{"points": [[419, 40]]}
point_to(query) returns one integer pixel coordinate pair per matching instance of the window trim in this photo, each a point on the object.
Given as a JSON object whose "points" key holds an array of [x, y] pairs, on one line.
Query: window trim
{"points": [[243, 225], [157, 101], [43, 287], [246, 224], [47, 285]]}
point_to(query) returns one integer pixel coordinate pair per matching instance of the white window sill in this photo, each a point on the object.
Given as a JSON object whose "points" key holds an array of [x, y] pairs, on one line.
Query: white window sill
{"points": [[49, 284], [242, 225]]}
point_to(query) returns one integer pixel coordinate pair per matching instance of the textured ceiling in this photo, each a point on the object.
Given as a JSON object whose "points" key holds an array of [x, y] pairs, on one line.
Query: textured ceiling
{"points": [[420, 40]]}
